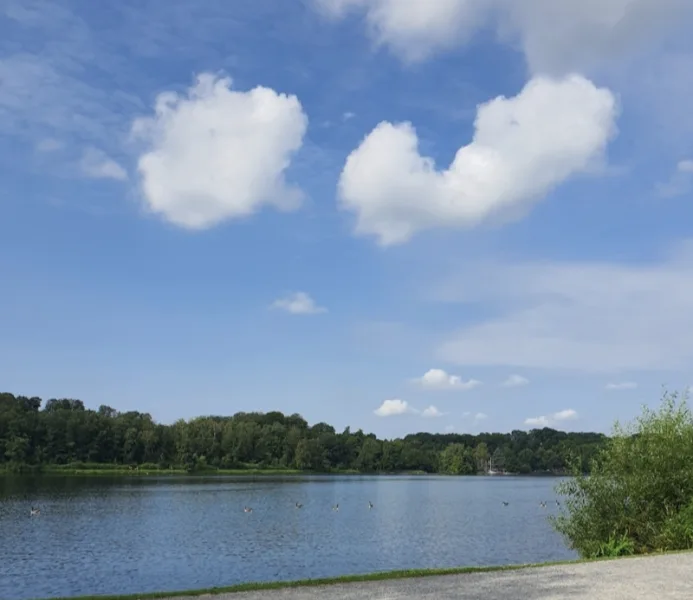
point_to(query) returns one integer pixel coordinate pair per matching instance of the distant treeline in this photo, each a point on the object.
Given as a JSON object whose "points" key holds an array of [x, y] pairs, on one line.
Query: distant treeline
{"points": [[64, 432]]}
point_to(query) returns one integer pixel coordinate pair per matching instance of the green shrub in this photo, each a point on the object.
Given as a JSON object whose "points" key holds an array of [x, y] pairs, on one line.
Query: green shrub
{"points": [[639, 495], [677, 531]]}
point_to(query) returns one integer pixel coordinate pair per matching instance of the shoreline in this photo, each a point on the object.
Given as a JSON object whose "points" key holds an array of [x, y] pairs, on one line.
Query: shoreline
{"points": [[380, 576], [105, 471], [178, 472]]}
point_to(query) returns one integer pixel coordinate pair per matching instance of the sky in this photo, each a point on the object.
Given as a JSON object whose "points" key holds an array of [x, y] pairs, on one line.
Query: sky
{"points": [[400, 216]]}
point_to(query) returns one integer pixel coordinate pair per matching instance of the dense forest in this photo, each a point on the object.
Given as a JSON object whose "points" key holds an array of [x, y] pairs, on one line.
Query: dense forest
{"points": [[34, 435]]}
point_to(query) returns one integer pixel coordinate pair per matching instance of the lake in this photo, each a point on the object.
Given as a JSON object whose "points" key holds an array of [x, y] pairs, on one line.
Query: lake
{"points": [[131, 535]]}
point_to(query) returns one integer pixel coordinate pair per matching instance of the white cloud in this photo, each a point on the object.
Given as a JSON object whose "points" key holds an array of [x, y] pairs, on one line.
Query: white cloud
{"points": [[685, 166], [431, 411], [563, 415], [97, 165], [440, 380], [624, 385], [390, 408], [348, 115], [581, 35], [298, 303], [522, 148], [680, 181], [216, 154], [414, 30], [480, 416], [515, 381], [555, 37], [595, 317]]}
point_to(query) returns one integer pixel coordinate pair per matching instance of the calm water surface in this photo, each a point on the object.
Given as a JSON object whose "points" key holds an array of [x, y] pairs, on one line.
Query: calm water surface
{"points": [[97, 536]]}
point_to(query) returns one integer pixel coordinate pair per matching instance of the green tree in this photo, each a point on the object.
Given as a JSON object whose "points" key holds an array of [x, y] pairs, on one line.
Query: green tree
{"points": [[481, 455], [638, 497], [456, 459]]}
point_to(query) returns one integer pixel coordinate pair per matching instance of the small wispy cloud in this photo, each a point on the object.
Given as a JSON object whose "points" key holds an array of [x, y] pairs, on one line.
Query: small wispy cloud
{"points": [[438, 379], [623, 385], [432, 411], [565, 415], [515, 381], [680, 181], [474, 416], [97, 165], [298, 303], [396, 406], [547, 421], [537, 421]]}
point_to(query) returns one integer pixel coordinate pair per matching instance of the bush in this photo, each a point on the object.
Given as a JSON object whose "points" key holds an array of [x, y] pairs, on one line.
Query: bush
{"points": [[639, 495]]}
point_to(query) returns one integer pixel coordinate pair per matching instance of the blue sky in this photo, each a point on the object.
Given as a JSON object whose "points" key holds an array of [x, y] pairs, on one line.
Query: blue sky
{"points": [[176, 240]]}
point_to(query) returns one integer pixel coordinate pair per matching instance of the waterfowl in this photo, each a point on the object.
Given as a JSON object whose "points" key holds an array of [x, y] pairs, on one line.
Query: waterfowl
{"points": [[370, 505], [542, 504], [558, 503], [34, 512], [335, 507], [299, 505], [247, 509], [505, 503]]}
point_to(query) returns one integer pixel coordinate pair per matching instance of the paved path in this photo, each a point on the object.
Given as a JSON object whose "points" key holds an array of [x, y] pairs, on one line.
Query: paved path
{"points": [[661, 577]]}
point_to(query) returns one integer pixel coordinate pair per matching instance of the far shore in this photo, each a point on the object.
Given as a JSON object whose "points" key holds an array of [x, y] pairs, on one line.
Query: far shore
{"points": [[105, 470]]}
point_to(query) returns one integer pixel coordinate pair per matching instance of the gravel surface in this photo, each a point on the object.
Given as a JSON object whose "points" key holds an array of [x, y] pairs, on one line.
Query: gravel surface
{"points": [[652, 578]]}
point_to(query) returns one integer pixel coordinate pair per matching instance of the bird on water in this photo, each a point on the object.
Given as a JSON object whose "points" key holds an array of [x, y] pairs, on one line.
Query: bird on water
{"points": [[335, 508], [299, 505], [34, 512], [247, 509], [370, 505]]}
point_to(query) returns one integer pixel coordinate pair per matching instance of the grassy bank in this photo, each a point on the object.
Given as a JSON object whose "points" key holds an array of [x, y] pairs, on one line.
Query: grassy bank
{"points": [[379, 576], [124, 471], [278, 585]]}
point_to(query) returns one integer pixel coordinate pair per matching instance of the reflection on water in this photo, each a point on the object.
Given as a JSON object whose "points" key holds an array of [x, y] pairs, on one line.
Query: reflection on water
{"points": [[120, 536]]}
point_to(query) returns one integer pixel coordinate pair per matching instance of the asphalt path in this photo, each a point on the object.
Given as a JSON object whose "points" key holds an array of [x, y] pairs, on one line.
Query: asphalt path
{"points": [[644, 578]]}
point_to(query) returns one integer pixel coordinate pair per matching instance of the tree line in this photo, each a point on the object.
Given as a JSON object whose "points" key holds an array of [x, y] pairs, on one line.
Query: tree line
{"points": [[34, 434]]}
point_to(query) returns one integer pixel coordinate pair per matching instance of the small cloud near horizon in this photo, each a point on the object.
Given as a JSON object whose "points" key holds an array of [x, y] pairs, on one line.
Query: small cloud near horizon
{"points": [[432, 411], [393, 407], [623, 385], [543, 421], [438, 379]]}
